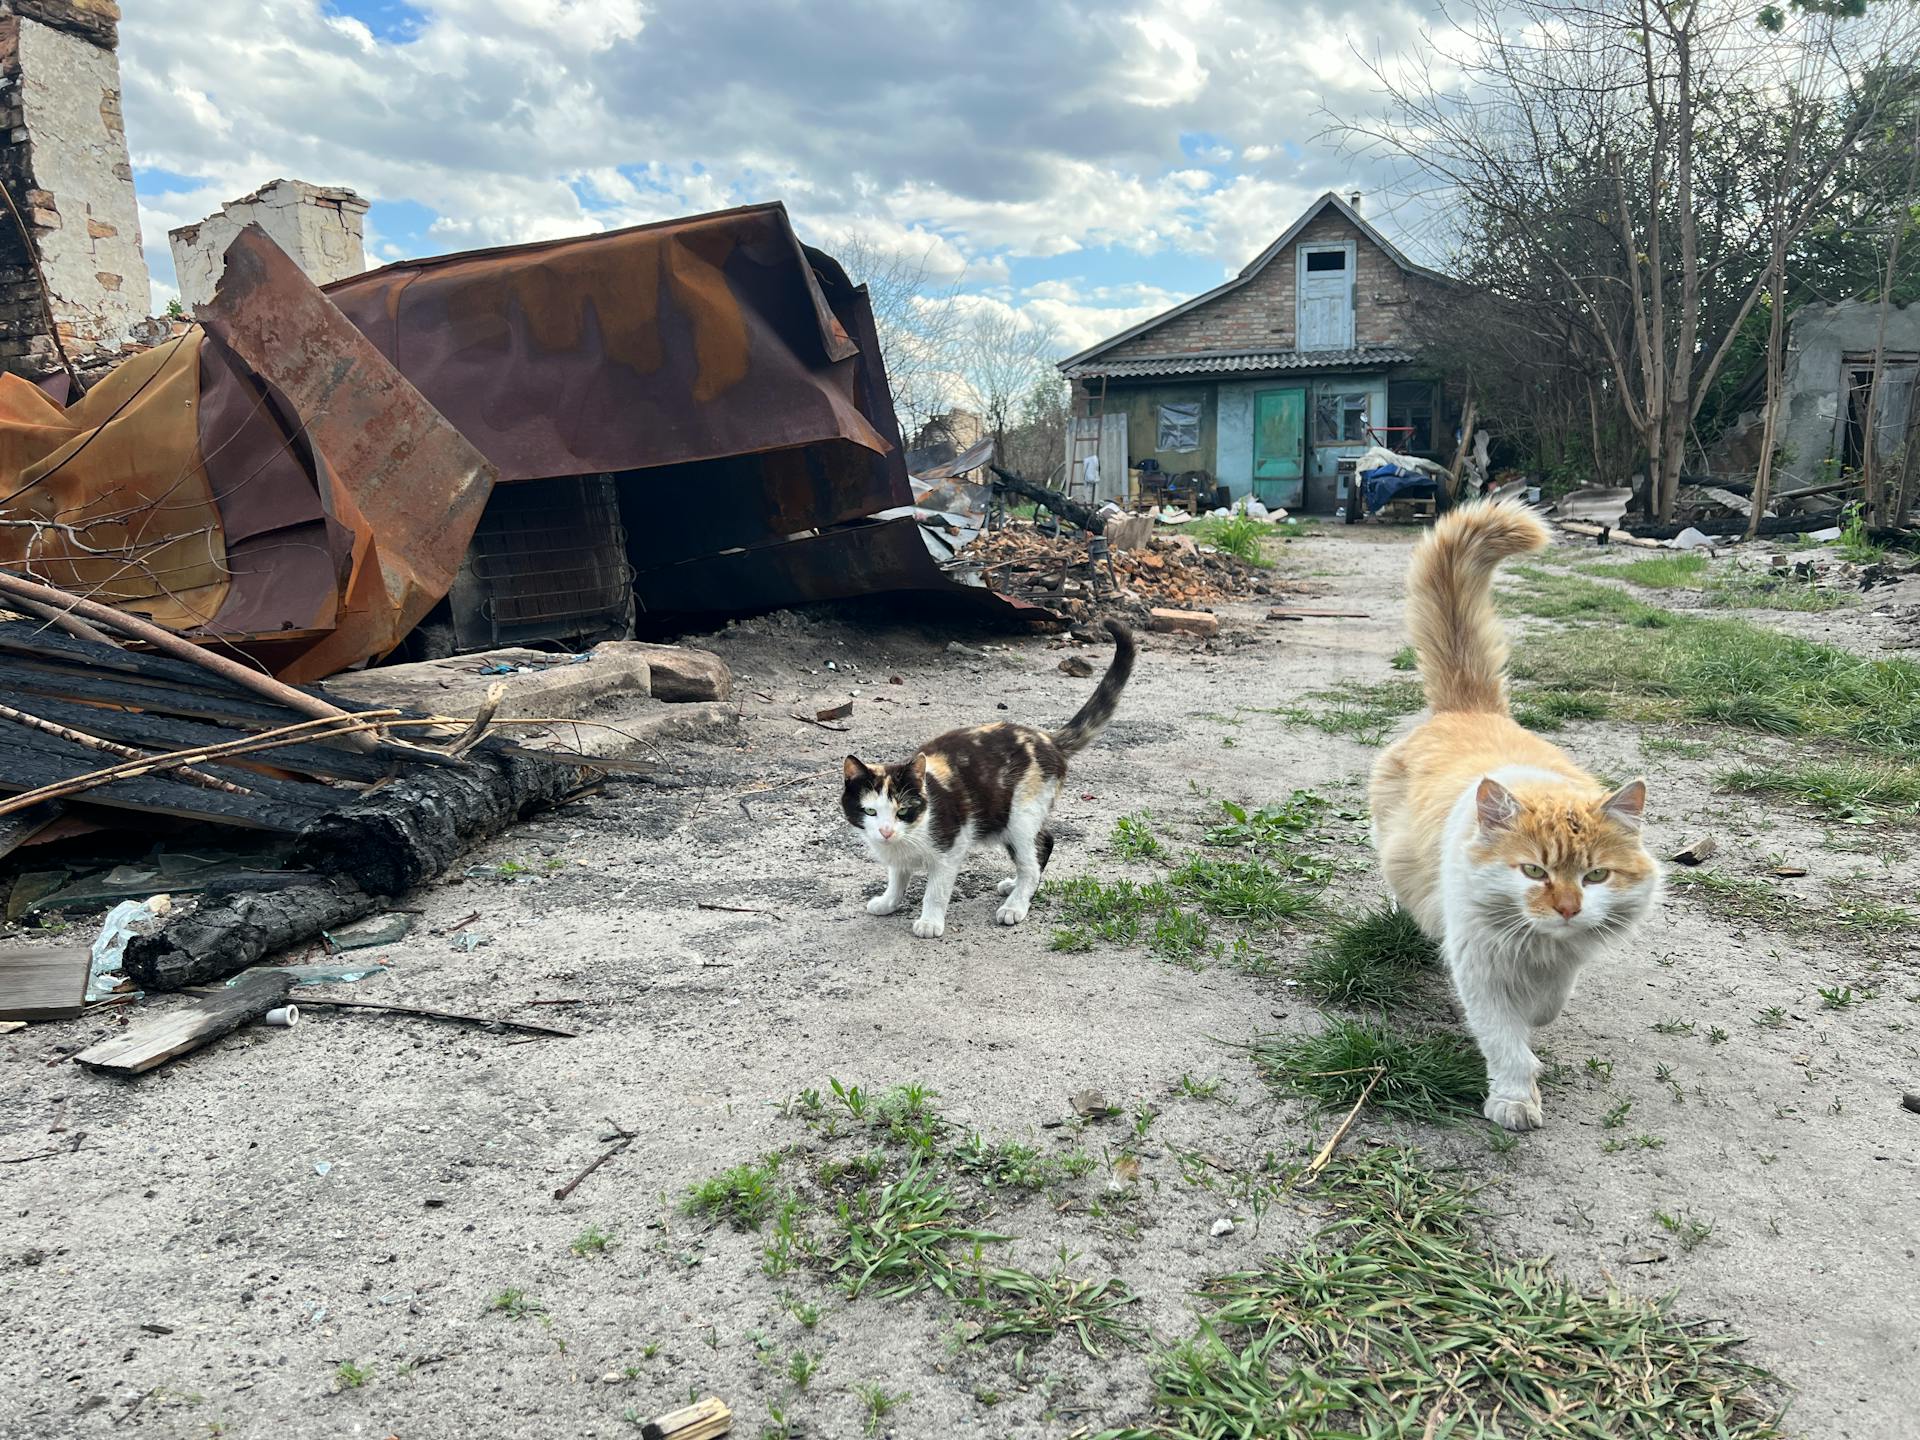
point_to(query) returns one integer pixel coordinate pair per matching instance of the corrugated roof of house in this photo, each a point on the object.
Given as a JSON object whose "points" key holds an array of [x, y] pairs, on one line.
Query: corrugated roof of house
{"points": [[1213, 363]]}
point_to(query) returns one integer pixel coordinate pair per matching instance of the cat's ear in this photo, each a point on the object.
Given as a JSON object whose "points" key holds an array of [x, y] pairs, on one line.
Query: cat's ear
{"points": [[857, 771], [1627, 805], [1495, 805], [918, 769]]}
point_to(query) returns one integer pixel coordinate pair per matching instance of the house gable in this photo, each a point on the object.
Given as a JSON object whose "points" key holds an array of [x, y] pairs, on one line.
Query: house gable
{"points": [[1255, 311]]}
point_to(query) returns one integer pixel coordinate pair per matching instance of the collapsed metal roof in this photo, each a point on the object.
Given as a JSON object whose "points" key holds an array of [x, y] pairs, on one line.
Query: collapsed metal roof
{"points": [[302, 477]]}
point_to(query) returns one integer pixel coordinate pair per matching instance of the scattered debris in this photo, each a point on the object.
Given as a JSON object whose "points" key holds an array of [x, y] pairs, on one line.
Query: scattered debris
{"points": [[1911, 1101], [1184, 622], [1788, 872], [212, 1013], [42, 982], [1697, 852], [485, 1022], [621, 1139], [1091, 1105], [1077, 666], [703, 1420], [366, 934], [1317, 615], [1222, 1226]]}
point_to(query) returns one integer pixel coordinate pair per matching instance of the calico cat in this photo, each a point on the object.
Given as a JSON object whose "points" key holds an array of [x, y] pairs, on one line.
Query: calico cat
{"points": [[1520, 864], [984, 785]]}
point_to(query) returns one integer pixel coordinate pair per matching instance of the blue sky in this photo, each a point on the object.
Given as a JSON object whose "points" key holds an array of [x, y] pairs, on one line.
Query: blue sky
{"points": [[1082, 168]]}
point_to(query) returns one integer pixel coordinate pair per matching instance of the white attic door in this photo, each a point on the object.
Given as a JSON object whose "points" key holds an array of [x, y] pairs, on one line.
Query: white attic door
{"points": [[1323, 295]]}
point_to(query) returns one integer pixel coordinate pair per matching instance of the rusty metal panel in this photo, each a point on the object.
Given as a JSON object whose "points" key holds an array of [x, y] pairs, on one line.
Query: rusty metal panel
{"points": [[407, 485]]}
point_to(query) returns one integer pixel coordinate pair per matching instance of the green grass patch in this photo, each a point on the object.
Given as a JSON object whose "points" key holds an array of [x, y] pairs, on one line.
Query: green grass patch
{"points": [[1239, 536], [1552, 596], [1711, 668], [743, 1196], [1249, 891], [1425, 1077], [1551, 709], [1399, 1316], [1133, 837], [1656, 572], [1842, 789], [1405, 658], [1739, 898], [1360, 712], [1369, 960]]}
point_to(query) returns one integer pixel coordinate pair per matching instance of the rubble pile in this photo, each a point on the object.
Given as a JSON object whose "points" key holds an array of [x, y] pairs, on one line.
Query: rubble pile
{"points": [[1056, 571]]}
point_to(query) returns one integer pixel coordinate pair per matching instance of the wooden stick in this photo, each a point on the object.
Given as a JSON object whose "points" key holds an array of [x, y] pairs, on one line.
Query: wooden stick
{"points": [[61, 620], [94, 742], [306, 730], [180, 648], [486, 1020], [624, 1138], [482, 718], [1608, 534], [734, 909], [1333, 1141], [705, 1420]]}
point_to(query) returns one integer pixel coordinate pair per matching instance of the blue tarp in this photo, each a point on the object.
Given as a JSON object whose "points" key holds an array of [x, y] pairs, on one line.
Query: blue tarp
{"points": [[1387, 483]]}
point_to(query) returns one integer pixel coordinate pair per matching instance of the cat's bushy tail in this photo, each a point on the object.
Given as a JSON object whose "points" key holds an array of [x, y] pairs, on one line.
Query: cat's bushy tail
{"points": [[1092, 718], [1462, 648]]}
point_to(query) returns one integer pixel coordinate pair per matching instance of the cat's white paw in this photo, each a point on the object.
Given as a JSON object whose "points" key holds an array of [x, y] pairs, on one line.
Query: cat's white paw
{"points": [[1006, 888], [928, 928], [881, 905], [1010, 913], [1511, 1114]]}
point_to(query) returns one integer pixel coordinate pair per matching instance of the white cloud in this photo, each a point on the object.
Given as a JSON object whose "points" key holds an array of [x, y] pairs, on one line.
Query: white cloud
{"points": [[513, 120]]}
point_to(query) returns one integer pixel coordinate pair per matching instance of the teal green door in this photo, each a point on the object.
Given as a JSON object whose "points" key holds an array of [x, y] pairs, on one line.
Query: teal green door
{"points": [[1280, 446]]}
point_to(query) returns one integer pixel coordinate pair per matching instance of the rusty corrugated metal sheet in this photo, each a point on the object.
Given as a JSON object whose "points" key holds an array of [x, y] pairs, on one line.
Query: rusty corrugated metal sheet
{"points": [[407, 485]]}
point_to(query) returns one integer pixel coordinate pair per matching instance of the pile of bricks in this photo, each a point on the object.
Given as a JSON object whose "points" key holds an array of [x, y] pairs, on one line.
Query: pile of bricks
{"points": [[1168, 573]]}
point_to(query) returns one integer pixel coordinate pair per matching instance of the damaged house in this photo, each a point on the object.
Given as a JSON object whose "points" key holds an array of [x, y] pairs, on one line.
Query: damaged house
{"points": [[1265, 384]]}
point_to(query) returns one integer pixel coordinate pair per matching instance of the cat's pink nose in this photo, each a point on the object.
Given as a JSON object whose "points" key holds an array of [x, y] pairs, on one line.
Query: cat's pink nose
{"points": [[886, 832], [1567, 907]]}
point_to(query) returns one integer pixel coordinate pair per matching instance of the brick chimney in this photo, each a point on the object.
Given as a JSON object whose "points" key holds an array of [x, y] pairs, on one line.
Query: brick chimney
{"points": [[67, 168]]}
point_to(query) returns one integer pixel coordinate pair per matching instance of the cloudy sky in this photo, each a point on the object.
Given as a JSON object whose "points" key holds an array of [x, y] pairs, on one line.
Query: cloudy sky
{"points": [[1085, 164]]}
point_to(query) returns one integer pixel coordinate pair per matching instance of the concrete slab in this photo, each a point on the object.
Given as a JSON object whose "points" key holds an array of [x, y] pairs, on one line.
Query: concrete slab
{"points": [[548, 684]]}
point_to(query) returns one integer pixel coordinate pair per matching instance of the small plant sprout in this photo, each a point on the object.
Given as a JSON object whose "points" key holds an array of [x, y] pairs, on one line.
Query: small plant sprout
{"points": [[1674, 1026], [1194, 1089], [803, 1311], [1771, 1018], [1684, 1228], [516, 1305], [351, 1376], [1717, 1036], [879, 1403], [1838, 997], [1617, 1116], [592, 1241], [801, 1368]]}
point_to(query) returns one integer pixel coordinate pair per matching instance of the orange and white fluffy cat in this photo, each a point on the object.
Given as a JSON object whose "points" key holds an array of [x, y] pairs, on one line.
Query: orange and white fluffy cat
{"points": [[1520, 864]]}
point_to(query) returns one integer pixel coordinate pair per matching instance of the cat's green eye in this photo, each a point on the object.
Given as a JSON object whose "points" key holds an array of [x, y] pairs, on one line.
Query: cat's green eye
{"points": [[869, 810], [1594, 877], [1534, 872]]}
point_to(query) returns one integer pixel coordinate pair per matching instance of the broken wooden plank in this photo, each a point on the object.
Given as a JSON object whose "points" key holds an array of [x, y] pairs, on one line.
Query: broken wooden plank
{"points": [[1696, 853], [703, 1420], [1183, 622], [213, 1013], [1608, 534], [43, 982]]}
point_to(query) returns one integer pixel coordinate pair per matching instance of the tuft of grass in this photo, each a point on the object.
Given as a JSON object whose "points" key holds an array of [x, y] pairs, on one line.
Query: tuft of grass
{"points": [[743, 1196], [1684, 1228], [516, 1305], [1181, 937], [1551, 709], [1424, 1077], [592, 1241], [1018, 1304], [1841, 789], [1739, 897], [1856, 542], [801, 1368], [351, 1376], [1133, 837], [895, 1240], [1007, 1164], [1359, 712], [1237, 535], [1398, 1313], [1655, 572], [879, 1403], [1369, 959], [1405, 658], [1728, 589], [1245, 890]]}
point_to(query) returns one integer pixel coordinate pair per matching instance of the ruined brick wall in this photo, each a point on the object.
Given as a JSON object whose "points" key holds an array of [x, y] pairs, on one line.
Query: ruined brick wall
{"points": [[1260, 314], [67, 167], [319, 227]]}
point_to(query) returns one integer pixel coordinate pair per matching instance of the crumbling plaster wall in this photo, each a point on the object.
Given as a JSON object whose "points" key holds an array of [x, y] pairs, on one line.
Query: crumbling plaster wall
{"points": [[320, 227], [1813, 386], [68, 168]]}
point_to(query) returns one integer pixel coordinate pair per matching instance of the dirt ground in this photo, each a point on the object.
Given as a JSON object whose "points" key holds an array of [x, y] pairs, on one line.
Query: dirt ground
{"points": [[363, 1190]]}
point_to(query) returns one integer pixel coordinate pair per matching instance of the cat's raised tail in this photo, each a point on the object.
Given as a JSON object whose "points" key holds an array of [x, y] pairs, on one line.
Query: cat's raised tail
{"points": [[1462, 648], [1092, 718]]}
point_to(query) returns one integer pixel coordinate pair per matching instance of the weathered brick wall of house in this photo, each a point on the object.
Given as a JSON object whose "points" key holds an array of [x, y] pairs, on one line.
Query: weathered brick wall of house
{"points": [[1260, 314], [67, 168]]}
